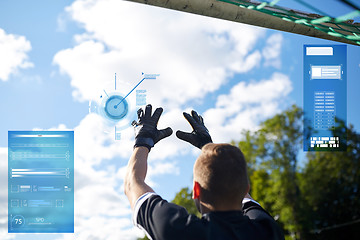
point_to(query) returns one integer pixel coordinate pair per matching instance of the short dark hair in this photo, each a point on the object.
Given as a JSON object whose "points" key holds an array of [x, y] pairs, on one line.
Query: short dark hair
{"points": [[221, 172]]}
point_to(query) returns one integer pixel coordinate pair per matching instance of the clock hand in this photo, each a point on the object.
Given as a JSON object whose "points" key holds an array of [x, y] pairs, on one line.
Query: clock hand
{"points": [[115, 106]]}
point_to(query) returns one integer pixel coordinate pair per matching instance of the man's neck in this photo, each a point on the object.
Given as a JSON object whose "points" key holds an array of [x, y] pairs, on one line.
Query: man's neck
{"points": [[206, 208]]}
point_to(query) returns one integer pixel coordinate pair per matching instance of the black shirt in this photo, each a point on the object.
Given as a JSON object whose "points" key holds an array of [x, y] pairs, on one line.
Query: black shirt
{"points": [[163, 220]]}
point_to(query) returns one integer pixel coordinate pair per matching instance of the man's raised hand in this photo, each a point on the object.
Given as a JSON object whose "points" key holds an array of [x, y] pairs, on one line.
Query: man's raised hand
{"points": [[146, 132], [200, 135]]}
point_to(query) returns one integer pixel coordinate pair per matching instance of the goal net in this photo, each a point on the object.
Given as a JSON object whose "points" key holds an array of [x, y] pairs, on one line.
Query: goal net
{"points": [[319, 24]]}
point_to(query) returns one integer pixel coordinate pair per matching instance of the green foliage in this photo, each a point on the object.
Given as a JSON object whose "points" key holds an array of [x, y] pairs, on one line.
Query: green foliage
{"points": [[271, 153], [330, 183], [144, 238], [261, 184], [323, 194], [184, 198]]}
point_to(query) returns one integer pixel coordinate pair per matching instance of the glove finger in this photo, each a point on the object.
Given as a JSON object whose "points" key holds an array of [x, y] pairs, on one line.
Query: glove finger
{"points": [[188, 137], [148, 110], [201, 119], [133, 123], [195, 116], [140, 113], [190, 119], [165, 133], [157, 114]]}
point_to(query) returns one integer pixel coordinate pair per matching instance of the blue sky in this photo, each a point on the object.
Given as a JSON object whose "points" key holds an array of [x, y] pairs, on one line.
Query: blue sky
{"points": [[56, 56]]}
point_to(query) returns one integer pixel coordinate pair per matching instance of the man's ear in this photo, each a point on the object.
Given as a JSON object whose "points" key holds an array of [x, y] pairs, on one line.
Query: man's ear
{"points": [[196, 190]]}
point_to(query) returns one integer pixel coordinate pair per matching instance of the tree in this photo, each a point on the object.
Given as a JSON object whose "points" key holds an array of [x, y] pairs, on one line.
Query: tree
{"points": [[330, 184], [271, 153], [184, 198], [318, 200], [143, 238]]}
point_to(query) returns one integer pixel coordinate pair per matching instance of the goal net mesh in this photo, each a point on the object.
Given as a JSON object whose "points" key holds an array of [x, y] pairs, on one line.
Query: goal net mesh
{"points": [[338, 26]]}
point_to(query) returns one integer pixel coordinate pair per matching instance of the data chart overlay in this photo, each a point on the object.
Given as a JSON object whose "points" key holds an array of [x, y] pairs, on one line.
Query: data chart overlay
{"points": [[325, 104], [41, 182]]}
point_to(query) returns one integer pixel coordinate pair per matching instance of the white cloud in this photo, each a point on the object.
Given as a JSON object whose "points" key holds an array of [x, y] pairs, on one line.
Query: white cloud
{"points": [[13, 55], [4, 195], [94, 144], [272, 50], [246, 105], [195, 55], [101, 227], [171, 146]]}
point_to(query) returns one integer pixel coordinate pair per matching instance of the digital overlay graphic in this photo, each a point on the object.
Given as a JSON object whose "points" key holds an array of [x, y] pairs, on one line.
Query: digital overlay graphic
{"points": [[325, 103], [41, 182], [118, 107]]}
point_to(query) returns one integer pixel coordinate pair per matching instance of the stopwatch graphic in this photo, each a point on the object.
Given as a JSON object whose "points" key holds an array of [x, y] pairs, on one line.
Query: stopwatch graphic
{"points": [[18, 221], [116, 107], [115, 110]]}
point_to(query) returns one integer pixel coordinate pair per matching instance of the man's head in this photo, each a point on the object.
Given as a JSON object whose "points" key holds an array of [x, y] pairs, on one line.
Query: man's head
{"points": [[220, 178]]}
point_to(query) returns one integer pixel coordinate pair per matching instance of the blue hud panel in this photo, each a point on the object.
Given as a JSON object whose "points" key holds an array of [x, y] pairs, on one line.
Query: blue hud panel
{"points": [[41, 182], [325, 97]]}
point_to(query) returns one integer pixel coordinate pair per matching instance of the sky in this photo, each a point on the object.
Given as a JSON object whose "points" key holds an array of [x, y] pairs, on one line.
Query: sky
{"points": [[57, 56]]}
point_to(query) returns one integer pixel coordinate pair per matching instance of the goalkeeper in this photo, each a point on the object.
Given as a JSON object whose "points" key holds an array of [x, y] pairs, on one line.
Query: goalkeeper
{"points": [[220, 189]]}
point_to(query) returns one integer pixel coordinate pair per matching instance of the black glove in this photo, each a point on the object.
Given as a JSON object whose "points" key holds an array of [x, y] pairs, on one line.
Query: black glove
{"points": [[146, 132], [200, 135]]}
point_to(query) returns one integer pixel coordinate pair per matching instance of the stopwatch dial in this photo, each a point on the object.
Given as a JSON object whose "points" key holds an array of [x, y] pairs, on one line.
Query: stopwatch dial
{"points": [[116, 107]]}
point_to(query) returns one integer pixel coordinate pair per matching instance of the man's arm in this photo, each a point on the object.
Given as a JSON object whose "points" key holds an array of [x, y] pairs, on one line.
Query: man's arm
{"points": [[134, 182], [146, 136]]}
